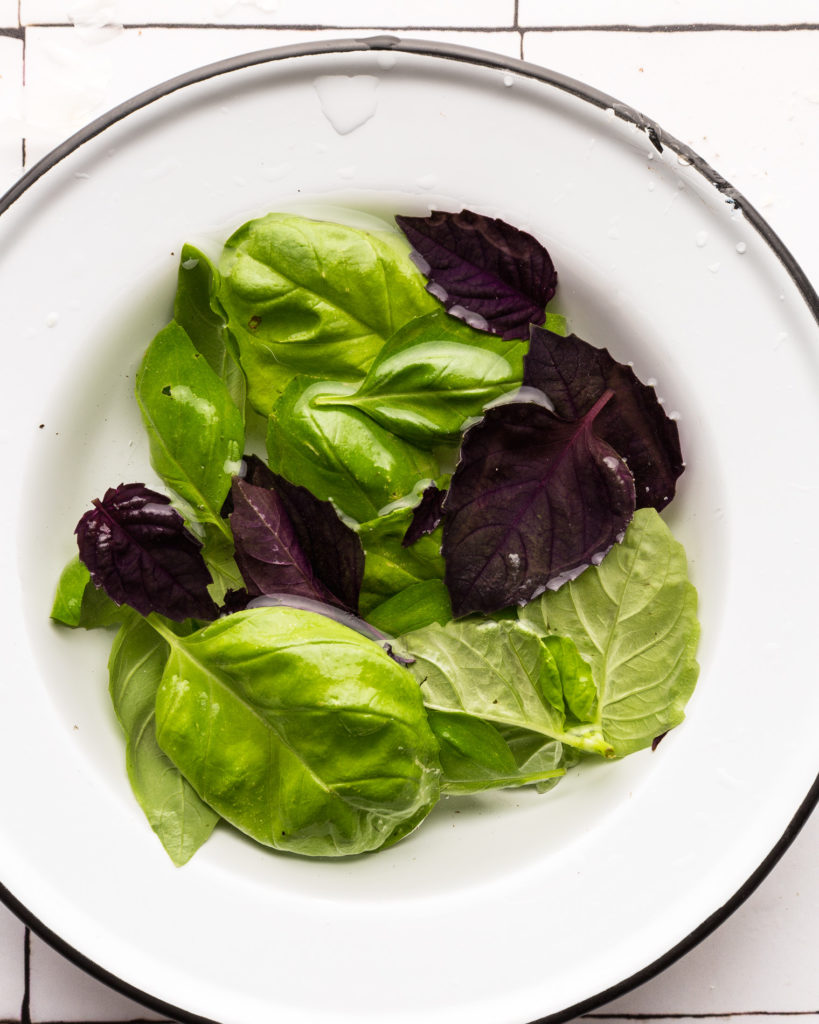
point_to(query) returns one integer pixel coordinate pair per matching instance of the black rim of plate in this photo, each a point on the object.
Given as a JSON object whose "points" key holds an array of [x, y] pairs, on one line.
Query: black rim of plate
{"points": [[661, 140]]}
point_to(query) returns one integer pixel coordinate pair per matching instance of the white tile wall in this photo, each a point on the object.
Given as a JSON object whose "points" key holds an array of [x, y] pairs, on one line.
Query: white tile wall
{"points": [[396, 13], [11, 109], [747, 100], [665, 12]]}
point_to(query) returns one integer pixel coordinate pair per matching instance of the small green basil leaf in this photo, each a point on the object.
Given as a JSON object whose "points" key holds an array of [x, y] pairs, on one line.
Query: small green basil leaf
{"points": [[340, 454], [196, 432], [77, 602], [310, 297], [536, 753], [573, 690], [218, 550], [418, 605], [634, 619], [475, 757], [299, 731], [176, 814], [196, 310], [432, 377], [389, 567], [497, 671]]}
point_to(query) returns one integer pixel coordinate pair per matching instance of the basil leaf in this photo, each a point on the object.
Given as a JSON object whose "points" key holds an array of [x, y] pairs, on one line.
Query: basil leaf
{"points": [[532, 502], [426, 516], [634, 620], [299, 731], [475, 757], [310, 297], [136, 547], [332, 548], [389, 567], [481, 265], [196, 432], [78, 603], [197, 312], [176, 814], [418, 605], [433, 376], [500, 672], [340, 454], [268, 552], [575, 374]]}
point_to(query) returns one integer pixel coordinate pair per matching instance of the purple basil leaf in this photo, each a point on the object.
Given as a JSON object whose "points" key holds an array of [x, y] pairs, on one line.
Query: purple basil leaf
{"points": [[426, 516], [483, 266], [574, 374], [137, 549], [533, 501], [267, 549], [333, 550]]}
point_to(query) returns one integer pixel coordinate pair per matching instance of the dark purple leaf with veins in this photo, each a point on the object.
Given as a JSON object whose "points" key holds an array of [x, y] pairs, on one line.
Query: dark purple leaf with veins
{"points": [[137, 549], [574, 374], [268, 552], [534, 501], [483, 266], [426, 516], [332, 548]]}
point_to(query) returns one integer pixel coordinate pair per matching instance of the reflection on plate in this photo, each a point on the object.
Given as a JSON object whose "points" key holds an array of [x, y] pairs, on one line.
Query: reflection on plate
{"points": [[510, 908]]}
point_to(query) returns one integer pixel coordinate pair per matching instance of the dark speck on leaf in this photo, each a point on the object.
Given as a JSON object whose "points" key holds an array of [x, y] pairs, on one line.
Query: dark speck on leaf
{"points": [[167, 390], [253, 323]]}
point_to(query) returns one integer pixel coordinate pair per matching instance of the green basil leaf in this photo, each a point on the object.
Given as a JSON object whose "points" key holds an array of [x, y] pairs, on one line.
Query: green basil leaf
{"points": [[389, 567], [176, 814], [196, 432], [536, 753], [432, 377], [310, 297], [340, 454], [299, 731], [78, 603], [634, 619], [499, 671], [475, 757], [197, 311], [418, 605]]}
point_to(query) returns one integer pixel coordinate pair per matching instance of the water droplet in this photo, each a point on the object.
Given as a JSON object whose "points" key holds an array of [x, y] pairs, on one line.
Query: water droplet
{"points": [[714, 267], [702, 238], [652, 185], [52, 320], [426, 181], [347, 101], [741, 247], [386, 61], [508, 81], [673, 415]]}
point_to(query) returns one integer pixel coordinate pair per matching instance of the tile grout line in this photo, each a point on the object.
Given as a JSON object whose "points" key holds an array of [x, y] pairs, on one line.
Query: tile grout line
{"points": [[25, 1007], [801, 26]]}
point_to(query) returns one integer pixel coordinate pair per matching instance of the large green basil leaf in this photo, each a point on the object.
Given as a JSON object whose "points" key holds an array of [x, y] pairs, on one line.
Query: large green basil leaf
{"points": [[196, 432], [181, 820], [433, 376], [299, 731], [78, 603], [389, 567], [634, 619], [340, 454], [499, 671], [311, 297], [475, 757], [197, 311]]}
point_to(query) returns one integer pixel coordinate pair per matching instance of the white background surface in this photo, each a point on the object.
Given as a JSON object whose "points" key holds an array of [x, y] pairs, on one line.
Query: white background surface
{"points": [[738, 81]]}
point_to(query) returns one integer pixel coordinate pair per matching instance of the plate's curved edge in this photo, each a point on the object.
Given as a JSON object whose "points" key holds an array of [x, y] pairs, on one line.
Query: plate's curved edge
{"points": [[660, 139]]}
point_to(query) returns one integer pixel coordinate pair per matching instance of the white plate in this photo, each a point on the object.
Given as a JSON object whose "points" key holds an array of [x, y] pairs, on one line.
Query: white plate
{"points": [[503, 908]]}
